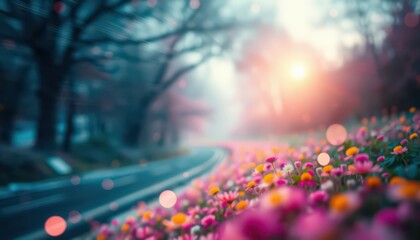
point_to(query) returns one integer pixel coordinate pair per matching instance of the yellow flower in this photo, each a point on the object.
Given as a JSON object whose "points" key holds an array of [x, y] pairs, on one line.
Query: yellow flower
{"points": [[327, 169], [340, 203], [397, 180], [179, 218], [275, 150], [268, 178], [214, 190], [241, 193], [352, 168], [260, 168], [412, 109], [305, 177], [413, 136], [251, 184], [241, 205], [352, 151], [301, 157], [373, 182], [252, 165]]}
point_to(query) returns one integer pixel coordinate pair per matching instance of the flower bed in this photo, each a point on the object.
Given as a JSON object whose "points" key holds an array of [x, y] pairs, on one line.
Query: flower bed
{"points": [[356, 186]]}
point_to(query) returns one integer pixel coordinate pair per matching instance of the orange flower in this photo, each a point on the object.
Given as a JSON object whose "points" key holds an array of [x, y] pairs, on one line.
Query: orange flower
{"points": [[413, 136], [373, 182], [352, 151], [327, 169], [214, 190], [397, 180], [269, 178], [305, 177], [241, 205]]}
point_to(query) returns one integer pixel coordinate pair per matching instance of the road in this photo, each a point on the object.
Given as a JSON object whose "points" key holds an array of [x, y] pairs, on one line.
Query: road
{"points": [[97, 196]]}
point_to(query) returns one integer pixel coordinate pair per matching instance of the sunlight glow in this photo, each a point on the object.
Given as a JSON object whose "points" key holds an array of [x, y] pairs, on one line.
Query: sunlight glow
{"points": [[298, 72]]}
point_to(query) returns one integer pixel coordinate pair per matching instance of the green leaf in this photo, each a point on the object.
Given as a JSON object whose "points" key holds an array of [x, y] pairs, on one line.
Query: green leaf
{"points": [[412, 171]]}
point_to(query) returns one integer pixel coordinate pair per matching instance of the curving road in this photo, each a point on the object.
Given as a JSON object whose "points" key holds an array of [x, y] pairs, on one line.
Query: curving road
{"points": [[97, 195]]}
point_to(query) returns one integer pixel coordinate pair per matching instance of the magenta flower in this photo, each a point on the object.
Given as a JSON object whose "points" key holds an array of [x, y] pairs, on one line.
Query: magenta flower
{"points": [[319, 196], [404, 141], [380, 159], [387, 216], [363, 157], [298, 165], [307, 183], [308, 165], [366, 167], [209, 221], [271, 159]]}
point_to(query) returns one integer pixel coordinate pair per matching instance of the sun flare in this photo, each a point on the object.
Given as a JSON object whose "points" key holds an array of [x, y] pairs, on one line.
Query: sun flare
{"points": [[298, 71]]}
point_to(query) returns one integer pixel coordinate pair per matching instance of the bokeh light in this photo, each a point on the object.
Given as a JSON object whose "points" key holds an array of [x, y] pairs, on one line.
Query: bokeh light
{"points": [[411, 19], [75, 180], [107, 184], [75, 217], [167, 199], [336, 134], [323, 159], [55, 226]]}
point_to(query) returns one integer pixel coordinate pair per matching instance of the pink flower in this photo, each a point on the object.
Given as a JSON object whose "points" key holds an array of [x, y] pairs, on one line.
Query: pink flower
{"points": [[319, 196], [380, 138], [337, 172], [271, 159], [227, 197], [281, 182], [380, 159], [366, 167], [404, 141], [307, 183], [361, 157], [208, 221], [308, 165], [298, 165]]}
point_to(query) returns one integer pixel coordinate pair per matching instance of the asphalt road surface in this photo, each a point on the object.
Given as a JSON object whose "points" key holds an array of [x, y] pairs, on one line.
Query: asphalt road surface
{"points": [[97, 195]]}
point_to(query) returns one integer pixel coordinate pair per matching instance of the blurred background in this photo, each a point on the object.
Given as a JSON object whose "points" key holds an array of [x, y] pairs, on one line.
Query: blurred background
{"points": [[88, 84]]}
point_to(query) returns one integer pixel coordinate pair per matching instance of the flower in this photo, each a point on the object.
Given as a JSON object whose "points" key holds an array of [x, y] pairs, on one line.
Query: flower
{"points": [[413, 136], [241, 205], [179, 218], [208, 221], [269, 178], [344, 202], [227, 197], [361, 157], [305, 177], [397, 180], [250, 184], [259, 168], [380, 159], [399, 150], [271, 159], [352, 151], [327, 169], [288, 168], [373, 182], [317, 197], [306, 180], [366, 167], [214, 190]]}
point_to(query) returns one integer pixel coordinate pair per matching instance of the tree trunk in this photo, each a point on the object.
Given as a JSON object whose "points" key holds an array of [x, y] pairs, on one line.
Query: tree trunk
{"points": [[135, 124], [71, 110], [51, 78], [10, 111]]}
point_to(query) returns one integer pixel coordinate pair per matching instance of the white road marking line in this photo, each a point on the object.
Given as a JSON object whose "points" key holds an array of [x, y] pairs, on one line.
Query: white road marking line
{"points": [[125, 181], [32, 204]]}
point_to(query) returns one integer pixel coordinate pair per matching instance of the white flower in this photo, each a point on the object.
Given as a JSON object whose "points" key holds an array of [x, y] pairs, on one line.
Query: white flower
{"points": [[288, 168], [327, 185]]}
